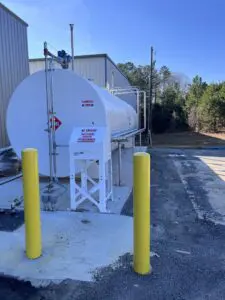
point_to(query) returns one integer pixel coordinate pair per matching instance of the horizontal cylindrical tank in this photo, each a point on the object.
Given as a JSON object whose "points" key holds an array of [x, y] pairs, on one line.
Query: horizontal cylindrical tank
{"points": [[77, 102]]}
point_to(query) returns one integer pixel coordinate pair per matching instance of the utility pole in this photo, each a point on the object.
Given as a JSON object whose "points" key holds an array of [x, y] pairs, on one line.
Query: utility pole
{"points": [[150, 99]]}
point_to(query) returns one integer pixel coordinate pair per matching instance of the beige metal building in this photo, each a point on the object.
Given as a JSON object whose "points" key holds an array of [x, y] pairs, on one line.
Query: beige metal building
{"points": [[98, 68], [14, 65]]}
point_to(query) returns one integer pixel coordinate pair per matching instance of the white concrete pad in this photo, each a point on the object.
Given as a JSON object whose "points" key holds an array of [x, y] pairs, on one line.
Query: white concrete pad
{"points": [[74, 246], [9, 192], [14, 189], [120, 196]]}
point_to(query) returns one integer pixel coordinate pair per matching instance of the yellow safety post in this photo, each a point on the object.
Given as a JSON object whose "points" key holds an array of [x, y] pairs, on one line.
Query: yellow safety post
{"points": [[31, 203], [141, 202]]}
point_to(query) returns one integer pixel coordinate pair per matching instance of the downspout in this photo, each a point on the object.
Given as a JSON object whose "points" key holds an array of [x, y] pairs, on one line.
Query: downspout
{"points": [[106, 72]]}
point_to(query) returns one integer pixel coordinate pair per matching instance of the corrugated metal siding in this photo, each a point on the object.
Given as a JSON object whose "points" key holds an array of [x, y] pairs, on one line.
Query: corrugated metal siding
{"points": [[116, 79], [14, 65], [92, 68], [38, 65]]}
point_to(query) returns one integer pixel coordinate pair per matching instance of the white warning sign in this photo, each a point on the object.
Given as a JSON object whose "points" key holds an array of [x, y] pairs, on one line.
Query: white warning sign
{"points": [[87, 135]]}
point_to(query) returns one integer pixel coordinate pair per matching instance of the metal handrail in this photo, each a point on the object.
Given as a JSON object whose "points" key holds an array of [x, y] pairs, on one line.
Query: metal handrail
{"points": [[127, 135]]}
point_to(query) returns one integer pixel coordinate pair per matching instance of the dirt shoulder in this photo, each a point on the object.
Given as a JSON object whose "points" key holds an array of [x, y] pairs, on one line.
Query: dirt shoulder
{"points": [[188, 139]]}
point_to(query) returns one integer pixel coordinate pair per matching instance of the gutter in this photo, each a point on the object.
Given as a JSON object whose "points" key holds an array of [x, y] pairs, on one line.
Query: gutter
{"points": [[106, 72]]}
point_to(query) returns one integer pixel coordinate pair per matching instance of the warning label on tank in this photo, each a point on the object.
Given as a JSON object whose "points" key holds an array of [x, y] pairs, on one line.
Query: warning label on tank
{"points": [[87, 103], [55, 122], [87, 135]]}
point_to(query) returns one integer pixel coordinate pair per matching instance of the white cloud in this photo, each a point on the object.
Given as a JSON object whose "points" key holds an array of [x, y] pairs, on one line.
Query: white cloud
{"points": [[49, 20]]}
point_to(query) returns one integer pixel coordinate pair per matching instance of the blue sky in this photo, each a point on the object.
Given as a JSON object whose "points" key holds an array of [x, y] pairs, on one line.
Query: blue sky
{"points": [[188, 35]]}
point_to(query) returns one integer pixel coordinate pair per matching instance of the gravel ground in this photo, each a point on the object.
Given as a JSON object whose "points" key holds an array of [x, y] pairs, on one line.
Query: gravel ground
{"points": [[188, 260], [10, 220]]}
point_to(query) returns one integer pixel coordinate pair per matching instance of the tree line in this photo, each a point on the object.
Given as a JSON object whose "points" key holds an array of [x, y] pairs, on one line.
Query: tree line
{"points": [[178, 104]]}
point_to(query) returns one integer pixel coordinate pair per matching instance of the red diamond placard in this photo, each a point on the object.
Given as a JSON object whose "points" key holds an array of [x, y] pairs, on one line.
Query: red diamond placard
{"points": [[58, 123]]}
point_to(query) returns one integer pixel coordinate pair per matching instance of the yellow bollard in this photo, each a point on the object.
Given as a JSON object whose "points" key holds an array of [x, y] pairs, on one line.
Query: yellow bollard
{"points": [[141, 202], [31, 203]]}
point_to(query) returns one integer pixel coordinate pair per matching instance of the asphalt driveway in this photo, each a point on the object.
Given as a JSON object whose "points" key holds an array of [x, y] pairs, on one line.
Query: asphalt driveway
{"points": [[188, 248]]}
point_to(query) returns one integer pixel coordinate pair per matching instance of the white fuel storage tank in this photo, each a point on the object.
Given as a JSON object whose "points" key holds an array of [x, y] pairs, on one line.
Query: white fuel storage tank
{"points": [[77, 102]]}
